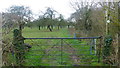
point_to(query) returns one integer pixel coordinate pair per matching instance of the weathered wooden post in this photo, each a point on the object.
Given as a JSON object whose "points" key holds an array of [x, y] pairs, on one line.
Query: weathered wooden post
{"points": [[19, 47]]}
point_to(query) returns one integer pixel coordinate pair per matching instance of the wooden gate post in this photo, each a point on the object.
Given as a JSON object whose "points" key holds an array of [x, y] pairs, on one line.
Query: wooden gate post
{"points": [[19, 48], [107, 49]]}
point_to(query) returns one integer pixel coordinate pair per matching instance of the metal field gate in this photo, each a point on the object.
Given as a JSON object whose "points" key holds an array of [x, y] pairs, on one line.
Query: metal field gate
{"points": [[63, 51]]}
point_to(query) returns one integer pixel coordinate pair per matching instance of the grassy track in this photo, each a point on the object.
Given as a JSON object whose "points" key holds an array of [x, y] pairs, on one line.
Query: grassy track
{"points": [[37, 57], [48, 52], [34, 32]]}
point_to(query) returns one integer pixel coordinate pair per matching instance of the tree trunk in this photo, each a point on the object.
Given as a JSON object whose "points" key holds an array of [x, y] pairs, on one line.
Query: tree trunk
{"points": [[58, 27], [48, 27], [68, 26], [20, 28], [39, 27], [51, 26]]}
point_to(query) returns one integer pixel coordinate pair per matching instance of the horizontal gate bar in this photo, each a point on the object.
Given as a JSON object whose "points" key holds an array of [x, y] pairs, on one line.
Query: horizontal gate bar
{"points": [[69, 38], [59, 58], [55, 55], [60, 67], [63, 44], [60, 44], [63, 50]]}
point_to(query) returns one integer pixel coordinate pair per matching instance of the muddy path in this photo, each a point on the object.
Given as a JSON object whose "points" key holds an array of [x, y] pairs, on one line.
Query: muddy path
{"points": [[70, 49], [74, 58], [65, 48], [71, 31]]}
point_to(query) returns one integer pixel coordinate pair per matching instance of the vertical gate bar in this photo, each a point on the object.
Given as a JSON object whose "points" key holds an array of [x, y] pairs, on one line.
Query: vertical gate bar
{"points": [[91, 44], [95, 45], [74, 35], [99, 54], [61, 50]]}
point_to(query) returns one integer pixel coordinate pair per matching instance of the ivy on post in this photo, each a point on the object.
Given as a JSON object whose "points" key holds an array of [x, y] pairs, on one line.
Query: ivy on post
{"points": [[107, 47], [19, 47]]}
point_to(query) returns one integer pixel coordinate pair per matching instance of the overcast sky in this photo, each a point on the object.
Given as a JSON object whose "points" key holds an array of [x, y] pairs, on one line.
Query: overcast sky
{"points": [[62, 6]]}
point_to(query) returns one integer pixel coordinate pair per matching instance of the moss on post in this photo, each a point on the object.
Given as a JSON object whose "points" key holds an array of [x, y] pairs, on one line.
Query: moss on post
{"points": [[19, 47], [107, 48]]}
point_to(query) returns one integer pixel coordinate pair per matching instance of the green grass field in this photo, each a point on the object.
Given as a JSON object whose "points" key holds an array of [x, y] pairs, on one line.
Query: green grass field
{"points": [[50, 53], [38, 46]]}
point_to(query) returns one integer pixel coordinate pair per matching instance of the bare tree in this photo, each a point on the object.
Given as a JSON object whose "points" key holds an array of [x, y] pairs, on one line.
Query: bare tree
{"points": [[24, 14], [49, 15], [83, 16], [14, 17]]}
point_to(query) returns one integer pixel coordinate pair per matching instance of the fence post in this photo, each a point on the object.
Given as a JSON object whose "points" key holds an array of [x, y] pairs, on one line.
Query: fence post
{"points": [[74, 35], [19, 49], [100, 49], [94, 45], [107, 48]]}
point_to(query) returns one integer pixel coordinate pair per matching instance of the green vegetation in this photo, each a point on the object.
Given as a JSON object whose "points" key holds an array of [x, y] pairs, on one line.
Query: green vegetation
{"points": [[36, 53], [43, 53], [88, 20]]}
